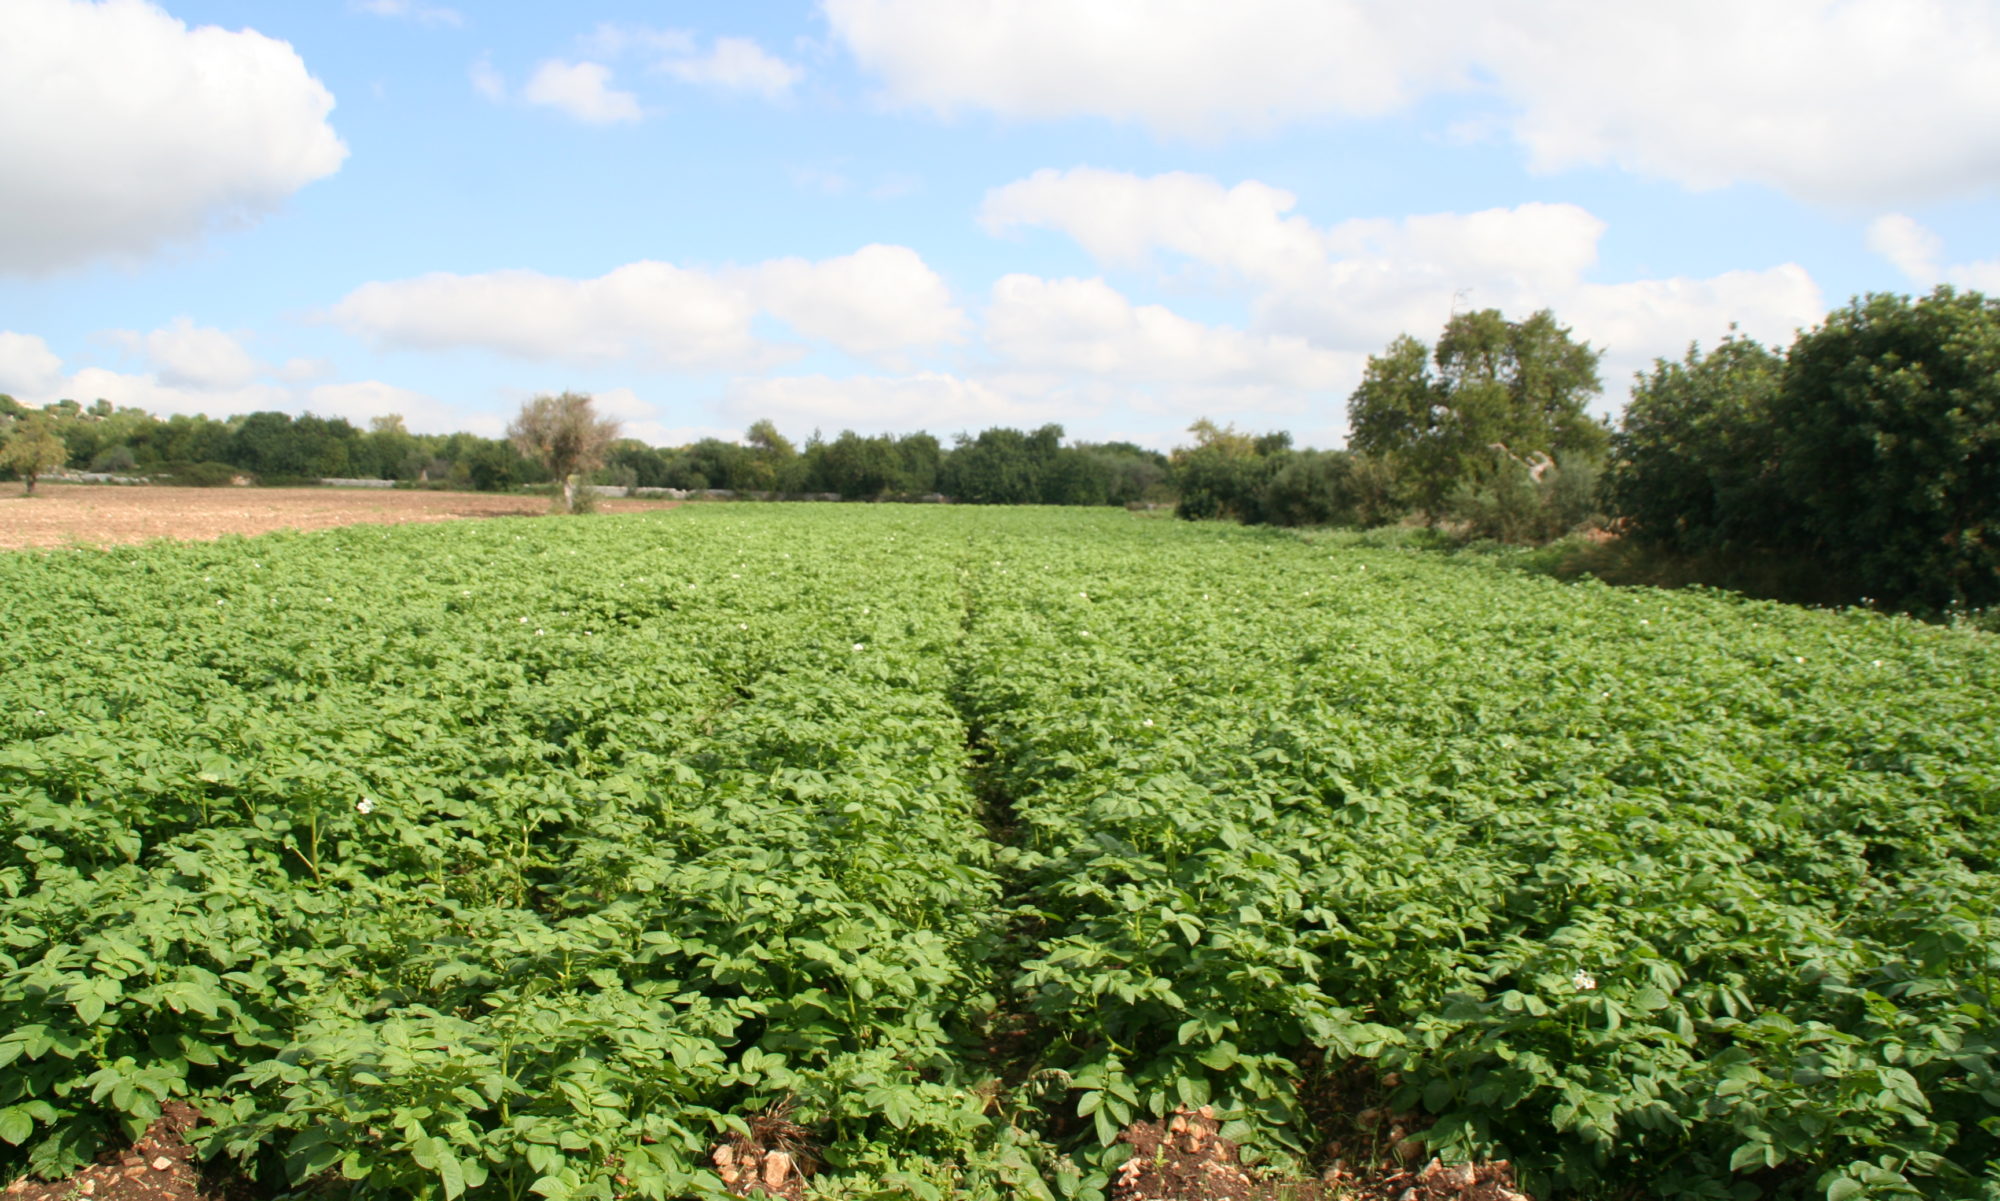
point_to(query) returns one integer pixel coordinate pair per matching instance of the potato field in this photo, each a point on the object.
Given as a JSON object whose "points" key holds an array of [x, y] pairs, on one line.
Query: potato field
{"points": [[931, 848]]}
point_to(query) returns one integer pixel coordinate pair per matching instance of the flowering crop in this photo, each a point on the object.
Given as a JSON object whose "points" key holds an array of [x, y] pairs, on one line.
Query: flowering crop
{"points": [[1638, 889], [537, 858]]}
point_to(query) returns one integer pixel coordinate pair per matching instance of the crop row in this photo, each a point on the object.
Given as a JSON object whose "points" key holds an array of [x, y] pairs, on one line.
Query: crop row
{"points": [[1640, 890], [485, 860], [544, 857]]}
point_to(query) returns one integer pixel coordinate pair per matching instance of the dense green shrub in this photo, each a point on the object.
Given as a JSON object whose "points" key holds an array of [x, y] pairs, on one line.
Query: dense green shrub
{"points": [[1513, 503], [195, 475], [1888, 428], [1695, 453], [1872, 448]]}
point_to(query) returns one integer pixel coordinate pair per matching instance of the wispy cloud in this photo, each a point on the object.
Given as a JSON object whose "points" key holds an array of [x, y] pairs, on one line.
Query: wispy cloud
{"points": [[408, 10], [582, 90]]}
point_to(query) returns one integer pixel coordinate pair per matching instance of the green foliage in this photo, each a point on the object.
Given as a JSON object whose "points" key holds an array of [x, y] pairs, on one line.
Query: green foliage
{"points": [[1001, 466], [1262, 480], [1516, 387], [1872, 448], [1888, 425], [536, 858], [1696, 457], [1645, 892], [1220, 476], [1517, 504], [306, 448], [193, 475], [30, 448], [551, 866], [566, 436]]}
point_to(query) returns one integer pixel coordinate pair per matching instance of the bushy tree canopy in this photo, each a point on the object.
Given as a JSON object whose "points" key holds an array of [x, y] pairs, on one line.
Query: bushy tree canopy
{"points": [[1695, 456], [1493, 390], [1872, 449], [1888, 427]]}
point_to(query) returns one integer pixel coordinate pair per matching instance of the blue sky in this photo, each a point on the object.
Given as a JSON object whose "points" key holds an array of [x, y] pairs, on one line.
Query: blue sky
{"points": [[1119, 215]]}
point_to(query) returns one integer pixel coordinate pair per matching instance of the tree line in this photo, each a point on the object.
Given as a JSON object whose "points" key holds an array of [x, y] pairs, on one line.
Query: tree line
{"points": [[1861, 463], [996, 466], [1868, 451]]}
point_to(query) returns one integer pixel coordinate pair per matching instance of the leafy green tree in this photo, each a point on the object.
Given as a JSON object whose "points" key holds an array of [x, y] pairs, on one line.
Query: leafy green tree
{"points": [[1130, 473], [1002, 466], [647, 467], [390, 450], [919, 460], [1888, 429], [857, 467], [1493, 390], [1221, 474], [279, 446], [714, 463], [491, 466], [565, 434], [33, 448], [1694, 461]]}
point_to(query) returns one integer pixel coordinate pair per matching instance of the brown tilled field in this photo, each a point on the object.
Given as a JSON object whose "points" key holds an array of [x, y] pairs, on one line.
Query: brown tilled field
{"points": [[105, 515]]}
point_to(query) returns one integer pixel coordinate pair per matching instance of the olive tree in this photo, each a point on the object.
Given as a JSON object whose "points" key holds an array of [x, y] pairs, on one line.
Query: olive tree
{"points": [[32, 448], [565, 434]]}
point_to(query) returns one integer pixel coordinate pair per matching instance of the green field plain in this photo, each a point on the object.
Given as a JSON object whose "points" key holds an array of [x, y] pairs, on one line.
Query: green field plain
{"points": [[541, 857]]}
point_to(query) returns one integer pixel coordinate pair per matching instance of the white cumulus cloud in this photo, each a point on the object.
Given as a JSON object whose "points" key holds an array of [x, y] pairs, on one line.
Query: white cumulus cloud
{"points": [[1913, 249], [1325, 297], [1122, 219], [361, 401], [1359, 283], [151, 393], [1833, 101], [736, 65], [877, 300], [184, 354], [645, 310], [1842, 101], [123, 130], [1180, 68], [927, 400], [406, 10], [733, 64], [1086, 326], [29, 370], [581, 90], [1918, 253]]}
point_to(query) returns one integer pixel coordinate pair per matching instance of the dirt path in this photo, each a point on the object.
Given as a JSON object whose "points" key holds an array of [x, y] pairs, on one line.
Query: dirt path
{"points": [[105, 515]]}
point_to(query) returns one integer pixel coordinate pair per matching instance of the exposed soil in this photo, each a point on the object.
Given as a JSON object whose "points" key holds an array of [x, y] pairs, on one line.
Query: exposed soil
{"points": [[159, 1167], [773, 1161], [1185, 1158], [104, 515]]}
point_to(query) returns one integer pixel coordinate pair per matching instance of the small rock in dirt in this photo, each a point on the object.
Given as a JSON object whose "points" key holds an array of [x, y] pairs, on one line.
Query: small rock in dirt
{"points": [[777, 1167], [162, 1164]]}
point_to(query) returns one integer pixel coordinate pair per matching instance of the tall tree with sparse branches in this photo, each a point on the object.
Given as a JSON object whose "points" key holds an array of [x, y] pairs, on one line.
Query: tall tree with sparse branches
{"points": [[566, 435]]}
